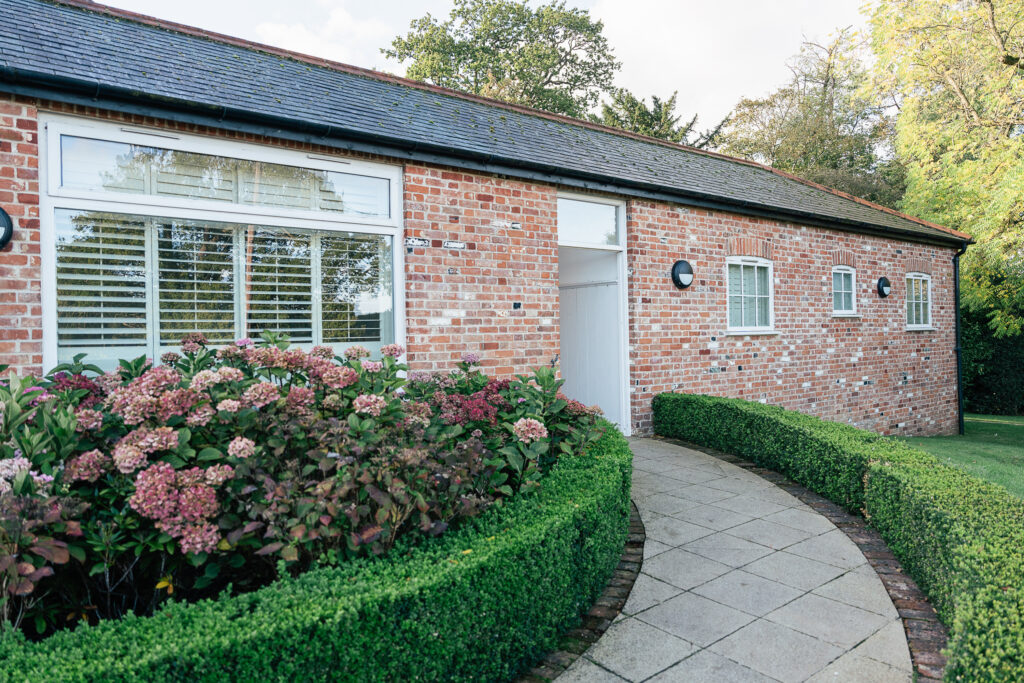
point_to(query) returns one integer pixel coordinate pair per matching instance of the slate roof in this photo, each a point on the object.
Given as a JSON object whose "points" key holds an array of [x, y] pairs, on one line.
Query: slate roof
{"points": [[55, 48]]}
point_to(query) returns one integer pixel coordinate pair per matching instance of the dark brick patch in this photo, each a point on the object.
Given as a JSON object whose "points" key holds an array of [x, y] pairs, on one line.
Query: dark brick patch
{"points": [[603, 612], [926, 635]]}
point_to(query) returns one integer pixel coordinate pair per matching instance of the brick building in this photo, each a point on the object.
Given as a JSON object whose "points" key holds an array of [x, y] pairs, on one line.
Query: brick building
{"points": [[161, 179]]}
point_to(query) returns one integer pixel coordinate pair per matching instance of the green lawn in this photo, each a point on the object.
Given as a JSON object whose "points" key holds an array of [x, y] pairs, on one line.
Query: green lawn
{"points": [[992, 449]]}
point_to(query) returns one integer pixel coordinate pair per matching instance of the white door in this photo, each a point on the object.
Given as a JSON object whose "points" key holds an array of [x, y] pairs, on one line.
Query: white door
{"points": [[591, 346]]}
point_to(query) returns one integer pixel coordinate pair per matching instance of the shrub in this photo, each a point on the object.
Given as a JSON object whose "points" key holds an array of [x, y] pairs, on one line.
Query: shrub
{"points": [[238, 466], [961, 539], [477, 604]]}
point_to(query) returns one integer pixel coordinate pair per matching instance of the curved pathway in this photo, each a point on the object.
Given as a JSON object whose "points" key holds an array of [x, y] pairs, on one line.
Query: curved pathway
{"points": [[742, 582]]}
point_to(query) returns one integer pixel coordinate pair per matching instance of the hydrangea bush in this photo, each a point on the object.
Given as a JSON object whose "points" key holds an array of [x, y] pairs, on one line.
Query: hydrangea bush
{"points": [[226, 468]]}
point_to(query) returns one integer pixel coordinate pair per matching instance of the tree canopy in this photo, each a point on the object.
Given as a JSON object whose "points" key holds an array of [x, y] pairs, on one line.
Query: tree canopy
{"points": [[660, 120], [956, 69], [822, 125], [553, 57]]}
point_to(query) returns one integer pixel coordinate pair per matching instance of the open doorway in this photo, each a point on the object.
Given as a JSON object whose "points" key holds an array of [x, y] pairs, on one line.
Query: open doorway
{"points": [[591, 287]]}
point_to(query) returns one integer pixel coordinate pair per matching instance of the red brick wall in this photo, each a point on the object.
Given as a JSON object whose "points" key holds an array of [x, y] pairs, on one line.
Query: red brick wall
{"points": [[21, 321], [466, 300], [868, 371]]}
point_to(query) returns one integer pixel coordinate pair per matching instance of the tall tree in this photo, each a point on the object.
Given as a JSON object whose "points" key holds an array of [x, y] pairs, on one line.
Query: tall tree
{"points": [[957, 70], [822, 125], [660, 120], [553, 57]]}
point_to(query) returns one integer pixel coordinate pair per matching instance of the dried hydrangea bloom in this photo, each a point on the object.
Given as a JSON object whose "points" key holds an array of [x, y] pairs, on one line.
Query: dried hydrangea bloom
{"points": [[261, 394], [371, 366], [370, 404], [529, 430], [356, 352], [88, 419], [88, 466], [392, 350], [229, 405], [241, 447]]}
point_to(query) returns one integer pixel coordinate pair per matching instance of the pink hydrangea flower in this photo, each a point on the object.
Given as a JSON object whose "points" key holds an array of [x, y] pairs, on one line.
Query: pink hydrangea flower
{"points": [[371, 366], [339, 377], [356, 352], [470, 358], [259, 395], [243, 342], [200, 416], [300, 397], [140, 399], [393, 350], [155, 491], [128, 458], [88, 466], [230, 374], [88, 419], [197, 538], [370, 404], [322, 351], [170, 358], [229, 405], [218, 474], [241, 447], [205, 379], [529, 430]]}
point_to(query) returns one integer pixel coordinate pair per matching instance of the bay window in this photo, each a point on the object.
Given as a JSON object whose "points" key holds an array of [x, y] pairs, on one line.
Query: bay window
{"points": [[153, 241]]}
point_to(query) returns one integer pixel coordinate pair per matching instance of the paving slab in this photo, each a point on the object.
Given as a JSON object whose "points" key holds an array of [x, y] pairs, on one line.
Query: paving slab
{"points": [[742, 582]]}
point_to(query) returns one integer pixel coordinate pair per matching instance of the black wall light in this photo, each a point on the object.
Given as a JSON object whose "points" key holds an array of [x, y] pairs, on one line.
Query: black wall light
{"points": [[6, 229], [884, 288], [682, 274]]}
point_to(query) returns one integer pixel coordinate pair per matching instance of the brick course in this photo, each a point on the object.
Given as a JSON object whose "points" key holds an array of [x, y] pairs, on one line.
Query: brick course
{"points": [[499, 296]]}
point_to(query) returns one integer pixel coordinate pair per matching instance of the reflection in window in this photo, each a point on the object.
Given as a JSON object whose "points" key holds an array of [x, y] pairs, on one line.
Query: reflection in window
{"points": [[88, 164], [582, 222]]}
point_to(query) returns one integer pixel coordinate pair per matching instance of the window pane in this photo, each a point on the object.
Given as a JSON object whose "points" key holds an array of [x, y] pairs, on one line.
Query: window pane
{"points": [[837, 300], [910, 312], [278, 294], [749, 311], [837, 282], [924, 313], [584, 222], [762, 312], [122, 167], [735, 311], [762, 281], [749, 281], [358, 301], [195, 263], [735, 284], [101, 286], [848, 301]]}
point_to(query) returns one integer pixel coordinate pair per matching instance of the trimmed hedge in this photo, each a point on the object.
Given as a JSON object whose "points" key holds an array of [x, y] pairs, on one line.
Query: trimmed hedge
{"points": [[479, 603], [962, 539]]}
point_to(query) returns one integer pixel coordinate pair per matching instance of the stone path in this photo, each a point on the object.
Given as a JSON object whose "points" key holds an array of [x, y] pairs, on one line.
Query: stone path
{"points": [[742, 582]]}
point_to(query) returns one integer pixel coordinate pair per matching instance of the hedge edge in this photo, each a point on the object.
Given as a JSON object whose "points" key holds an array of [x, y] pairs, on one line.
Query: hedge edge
{"points": [[479, 603], [960, 538]]}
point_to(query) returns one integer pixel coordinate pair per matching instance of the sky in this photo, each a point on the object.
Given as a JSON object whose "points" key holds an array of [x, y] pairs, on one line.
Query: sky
{"points": [[713, 53]]}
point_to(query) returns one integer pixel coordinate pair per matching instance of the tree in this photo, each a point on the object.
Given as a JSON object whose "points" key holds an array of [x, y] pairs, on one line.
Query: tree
{"points": [[956, 69], [660, 120], [822, 125], [552, 58]]}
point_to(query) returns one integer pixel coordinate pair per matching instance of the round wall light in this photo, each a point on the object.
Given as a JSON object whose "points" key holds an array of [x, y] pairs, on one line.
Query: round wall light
{"points": [[884, 288], [6, 229], [682, 274]]}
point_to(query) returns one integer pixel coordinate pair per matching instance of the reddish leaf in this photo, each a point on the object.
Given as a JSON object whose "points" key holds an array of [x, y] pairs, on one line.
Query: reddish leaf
{"points": [[54, 551], [270, 548], [251, 526], [290, 554], [26, 568], [41, 573], [298, 531], [5, 562], [21, 587]]}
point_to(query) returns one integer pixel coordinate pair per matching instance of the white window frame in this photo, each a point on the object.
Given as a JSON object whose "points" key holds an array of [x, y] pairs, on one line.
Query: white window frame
{"points": [[837, 312], [926, 278], [750, 330], [53, 197]]}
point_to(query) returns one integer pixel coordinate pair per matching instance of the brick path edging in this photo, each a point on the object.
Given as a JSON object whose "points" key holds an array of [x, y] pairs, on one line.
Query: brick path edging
{"points": [[601, 614], [926, 635]]}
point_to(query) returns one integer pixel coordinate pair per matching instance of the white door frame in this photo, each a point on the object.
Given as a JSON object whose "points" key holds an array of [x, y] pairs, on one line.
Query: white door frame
{"points": [[625, 408]]}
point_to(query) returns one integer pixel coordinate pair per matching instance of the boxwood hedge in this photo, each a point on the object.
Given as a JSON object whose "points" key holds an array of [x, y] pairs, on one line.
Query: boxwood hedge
{"points": [[479, 603], [962, 539]]}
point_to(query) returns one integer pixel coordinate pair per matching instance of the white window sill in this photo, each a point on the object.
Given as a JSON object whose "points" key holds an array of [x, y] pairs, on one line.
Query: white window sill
{"points": [[921, 328], [752, 333], [846, 315]]}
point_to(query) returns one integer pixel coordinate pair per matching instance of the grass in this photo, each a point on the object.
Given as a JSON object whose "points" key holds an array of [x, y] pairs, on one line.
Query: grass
{"points": [[992, 449]]}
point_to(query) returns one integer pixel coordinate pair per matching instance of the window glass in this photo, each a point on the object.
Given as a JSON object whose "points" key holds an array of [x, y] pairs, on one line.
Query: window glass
{"points": [[582, 222], [842, 291], [223, 279], [98, 165], [749, 294], [918, 304]]}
